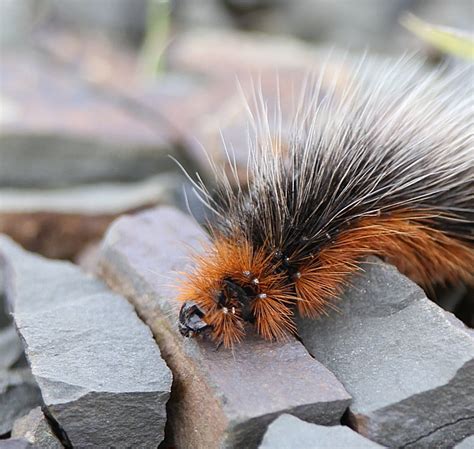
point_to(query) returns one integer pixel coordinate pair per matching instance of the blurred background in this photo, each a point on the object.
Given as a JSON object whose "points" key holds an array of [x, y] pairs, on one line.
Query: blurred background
{"points": [[95, 95]]}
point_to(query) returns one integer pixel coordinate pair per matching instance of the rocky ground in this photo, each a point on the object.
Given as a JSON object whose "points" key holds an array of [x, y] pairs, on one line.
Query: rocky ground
{"points": [[90, 354]]}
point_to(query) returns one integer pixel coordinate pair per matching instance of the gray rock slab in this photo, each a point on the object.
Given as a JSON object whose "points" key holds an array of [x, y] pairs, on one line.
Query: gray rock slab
{"points": [[110, 198], [123, 22], [220, 398], [11, 348], [288, 432], [467, 443], [35, 429], [57, 131], [407, 363], [16, 443], [59, 222], [18, 395], [99, 370]]}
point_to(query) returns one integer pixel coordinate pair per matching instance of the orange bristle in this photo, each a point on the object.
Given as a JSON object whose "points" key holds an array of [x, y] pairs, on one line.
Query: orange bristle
{"points": [[238, 261], [404, 239], [423, 253]]}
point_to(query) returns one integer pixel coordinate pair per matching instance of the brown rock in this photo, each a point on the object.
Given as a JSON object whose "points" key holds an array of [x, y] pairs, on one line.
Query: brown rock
{"points": [[58, 236], [220, 398]]}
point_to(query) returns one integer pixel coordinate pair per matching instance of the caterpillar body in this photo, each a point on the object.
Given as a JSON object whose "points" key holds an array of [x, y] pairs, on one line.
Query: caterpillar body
{"points": [[383, 167]]}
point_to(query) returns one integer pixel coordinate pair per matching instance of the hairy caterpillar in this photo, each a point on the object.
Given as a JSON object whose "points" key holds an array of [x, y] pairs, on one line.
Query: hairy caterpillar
{"points": [[385, 167]]}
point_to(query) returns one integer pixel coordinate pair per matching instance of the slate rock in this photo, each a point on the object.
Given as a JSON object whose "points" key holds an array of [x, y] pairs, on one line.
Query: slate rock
{"points": [[467, 443], [288, 432], [118, 20], [57, 131], [16, 443], [408, 364], [59, 222], [35, 428], [99, 370], [220, 399], [18, 395], [11, 348]]}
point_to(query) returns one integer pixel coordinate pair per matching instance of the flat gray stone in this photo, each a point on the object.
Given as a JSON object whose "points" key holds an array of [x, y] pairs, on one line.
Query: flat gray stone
{"points": [[467, 443], [59, 222], [35, 429], [222, 399], [99, 370], [288, 432], [407, 363], [115, 197], [18, 395], [16, 443], [119, 21], [58, 131]]}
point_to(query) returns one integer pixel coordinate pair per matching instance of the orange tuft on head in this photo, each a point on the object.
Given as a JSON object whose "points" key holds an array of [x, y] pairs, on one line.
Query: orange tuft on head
{"points": [[232, 280]]}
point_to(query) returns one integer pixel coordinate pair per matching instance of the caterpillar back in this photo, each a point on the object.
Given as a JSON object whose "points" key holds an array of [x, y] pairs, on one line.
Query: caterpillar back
{"points": [[384, 167]]}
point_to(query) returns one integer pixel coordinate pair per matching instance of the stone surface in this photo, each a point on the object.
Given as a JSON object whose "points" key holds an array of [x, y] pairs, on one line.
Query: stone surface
{"points": [[118, 19], [220, 398], [88, 258], [288, 432], [58, 223], [467, 443], [56, 130], [16, 443], [18, 395], [10, 347], [90, 199], [35, 429], [54, 235], [408, 364], [99, 370], [18, 390]]}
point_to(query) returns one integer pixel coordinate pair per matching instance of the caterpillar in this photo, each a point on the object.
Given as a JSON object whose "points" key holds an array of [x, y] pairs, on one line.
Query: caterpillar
{"points": [[383, 166]]}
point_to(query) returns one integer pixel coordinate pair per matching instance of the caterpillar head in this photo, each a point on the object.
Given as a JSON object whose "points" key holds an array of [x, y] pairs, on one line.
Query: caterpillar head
{"points": [[231, 285]]}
